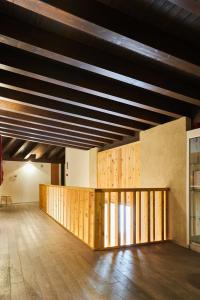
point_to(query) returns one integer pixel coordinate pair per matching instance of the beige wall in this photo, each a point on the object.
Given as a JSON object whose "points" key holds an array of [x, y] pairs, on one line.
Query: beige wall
{"points": [[22, 179], [163, 164]]}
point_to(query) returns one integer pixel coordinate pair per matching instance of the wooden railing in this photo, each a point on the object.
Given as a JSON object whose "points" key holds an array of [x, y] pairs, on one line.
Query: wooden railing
{"points": [[131, 216], [105, 218], [71, 207]]}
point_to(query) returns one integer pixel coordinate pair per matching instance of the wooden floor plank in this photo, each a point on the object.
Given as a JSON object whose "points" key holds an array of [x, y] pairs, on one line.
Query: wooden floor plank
{"points": [[40, 260]]}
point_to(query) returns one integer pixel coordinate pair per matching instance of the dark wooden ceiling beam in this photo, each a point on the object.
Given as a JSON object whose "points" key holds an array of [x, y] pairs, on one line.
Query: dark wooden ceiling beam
{"points": [[10, 143], [12, 105], [70, 110], [56, 126], [21, 148], [21, 62], [189, 5], [39, 151], [26, 127], [43, 136], [139, 73], [39, 140], [46, 135], [30, 146], [103, 24], [15, 149], [53, 152], [79, 101], [61, 154]]}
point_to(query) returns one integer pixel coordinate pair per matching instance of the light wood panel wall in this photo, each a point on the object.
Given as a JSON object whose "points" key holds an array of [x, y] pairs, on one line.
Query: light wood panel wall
{"points": [[71, 207], [119, 167]]}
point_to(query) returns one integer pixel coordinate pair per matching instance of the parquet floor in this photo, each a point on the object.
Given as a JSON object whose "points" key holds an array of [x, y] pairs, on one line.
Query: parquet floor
{"points": [[40, 260]]}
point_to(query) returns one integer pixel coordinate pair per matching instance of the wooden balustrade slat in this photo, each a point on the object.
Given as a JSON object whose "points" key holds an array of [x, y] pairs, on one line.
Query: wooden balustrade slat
{"points": [[162, 216], [108, 218], [119, 218], [134, 217], [149, 217], [124, 217], [139, 215], [154, 220]]}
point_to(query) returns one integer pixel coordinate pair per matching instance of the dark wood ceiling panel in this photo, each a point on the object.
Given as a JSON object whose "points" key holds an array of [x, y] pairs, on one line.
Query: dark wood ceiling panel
{"points": [[41, 137], [46, 135], [12, 105], [101, 22], [57, 126], [20, 125], [137, 73], [54, 71], [78, 112], [46, 141], [72, 76]]}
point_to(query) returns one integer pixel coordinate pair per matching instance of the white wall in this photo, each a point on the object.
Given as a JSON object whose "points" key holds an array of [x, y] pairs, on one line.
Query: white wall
{"points": [[22, 179], [77, 173], [82, 167]]}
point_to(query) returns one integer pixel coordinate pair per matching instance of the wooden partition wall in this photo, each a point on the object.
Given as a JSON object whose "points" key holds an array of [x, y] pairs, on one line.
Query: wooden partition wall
{"points": [[104, 218], [119, 167]]}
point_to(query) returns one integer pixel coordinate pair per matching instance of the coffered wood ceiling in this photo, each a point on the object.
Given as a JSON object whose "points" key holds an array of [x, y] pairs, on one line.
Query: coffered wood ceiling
{"points": [[85, 74]]}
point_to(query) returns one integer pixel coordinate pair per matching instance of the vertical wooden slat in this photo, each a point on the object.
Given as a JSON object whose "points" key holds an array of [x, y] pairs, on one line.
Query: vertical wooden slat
{"points": [[99, 219], [162, 215], [167, 215], [116, 219], [131, 199], [124, 211], [153, 220], [134, 217], [108, 218], [149, 217], [119, 219], [139, 217]]}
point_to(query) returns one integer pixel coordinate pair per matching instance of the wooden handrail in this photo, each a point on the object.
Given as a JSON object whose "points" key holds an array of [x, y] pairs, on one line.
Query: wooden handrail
{"points": [[131, 189]]}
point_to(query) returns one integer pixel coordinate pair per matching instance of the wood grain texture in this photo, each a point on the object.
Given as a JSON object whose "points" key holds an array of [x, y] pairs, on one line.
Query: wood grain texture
{"points": [[40, 260], [105, 218], [119, 167], [73, 208]]}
